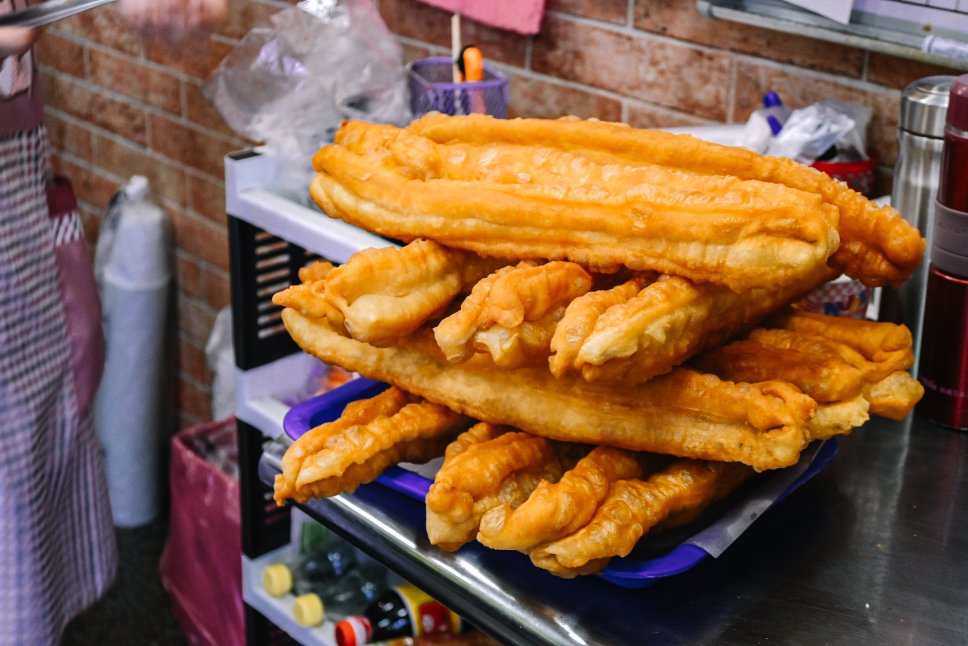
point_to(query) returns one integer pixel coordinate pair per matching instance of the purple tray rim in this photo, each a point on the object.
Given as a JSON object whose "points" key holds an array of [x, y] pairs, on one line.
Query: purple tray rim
{"points": [[623, 572]]}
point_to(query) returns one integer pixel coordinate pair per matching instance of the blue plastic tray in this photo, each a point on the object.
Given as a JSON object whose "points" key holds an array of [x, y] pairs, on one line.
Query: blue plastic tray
{"points": [[626, 572]]}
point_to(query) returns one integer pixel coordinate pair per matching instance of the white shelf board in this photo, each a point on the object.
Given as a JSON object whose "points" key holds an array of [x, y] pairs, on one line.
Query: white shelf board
{"points": [[249, 177]]}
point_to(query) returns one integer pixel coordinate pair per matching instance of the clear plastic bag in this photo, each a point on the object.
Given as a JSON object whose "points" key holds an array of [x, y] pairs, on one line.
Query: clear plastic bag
{"points": [[292, 80], [828, 130]]}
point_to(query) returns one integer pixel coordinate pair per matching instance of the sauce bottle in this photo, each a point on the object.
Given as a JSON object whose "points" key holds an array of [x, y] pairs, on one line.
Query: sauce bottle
{"points": [[401, 611], [943, 369], [332, 581]]}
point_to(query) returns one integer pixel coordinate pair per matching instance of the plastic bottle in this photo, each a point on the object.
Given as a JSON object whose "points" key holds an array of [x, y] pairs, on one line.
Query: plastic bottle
{"points": [[133, 268], [331, 582], [400, 611], [765, 123], [944, 342]]}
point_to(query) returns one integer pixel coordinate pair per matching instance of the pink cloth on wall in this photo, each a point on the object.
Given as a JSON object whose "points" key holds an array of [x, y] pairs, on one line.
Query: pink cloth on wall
{"points": [[523, 16]]}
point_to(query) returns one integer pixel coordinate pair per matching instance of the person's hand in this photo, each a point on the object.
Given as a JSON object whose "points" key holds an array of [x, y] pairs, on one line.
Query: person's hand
{"points": [[173, 20], [16, 40]]}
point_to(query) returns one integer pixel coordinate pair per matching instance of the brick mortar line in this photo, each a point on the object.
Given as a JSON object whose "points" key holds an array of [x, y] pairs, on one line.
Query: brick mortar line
{"points": [[621, 98], [162, 201], [731, 92], [815, 74], [648, 35], [131, 58], [91, 86], [627, 30], [142, 147], [630, 14], [149, 109], [735, 59], [554, 80], [203, 265]]}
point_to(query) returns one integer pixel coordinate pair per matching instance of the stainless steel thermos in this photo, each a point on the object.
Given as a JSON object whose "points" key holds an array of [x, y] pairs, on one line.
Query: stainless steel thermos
{"points": [[917, 172]]}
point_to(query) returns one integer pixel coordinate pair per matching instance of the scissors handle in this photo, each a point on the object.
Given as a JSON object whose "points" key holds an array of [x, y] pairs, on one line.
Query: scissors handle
{"points": [[48, 12]]}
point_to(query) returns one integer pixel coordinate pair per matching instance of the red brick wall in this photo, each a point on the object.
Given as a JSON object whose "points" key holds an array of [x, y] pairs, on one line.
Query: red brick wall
{"points": [[117, 106]]}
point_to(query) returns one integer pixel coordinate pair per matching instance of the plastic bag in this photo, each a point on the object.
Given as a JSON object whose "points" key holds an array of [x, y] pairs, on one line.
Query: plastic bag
{"points": [[220, 356], [292, 80], [828, 131]]}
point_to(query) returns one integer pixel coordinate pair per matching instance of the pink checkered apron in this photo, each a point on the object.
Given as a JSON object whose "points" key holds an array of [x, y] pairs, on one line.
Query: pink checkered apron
{"points": [[57, 550]]}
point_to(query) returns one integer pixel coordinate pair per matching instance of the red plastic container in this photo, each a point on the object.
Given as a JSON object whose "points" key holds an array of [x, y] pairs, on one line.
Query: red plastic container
{"points": [[200, 567], [857, 175]]}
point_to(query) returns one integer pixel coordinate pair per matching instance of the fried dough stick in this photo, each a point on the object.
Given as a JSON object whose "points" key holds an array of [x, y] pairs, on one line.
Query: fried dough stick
{"points": [[827, 361], [882, 352], [886, 344], [877, 245], [554, 510], [339, 456], [822, 375], [728, 236], [379, 295], [675, 495], [610, 339], [362, 411], [512, 313], [492, 468], [683, 413]]}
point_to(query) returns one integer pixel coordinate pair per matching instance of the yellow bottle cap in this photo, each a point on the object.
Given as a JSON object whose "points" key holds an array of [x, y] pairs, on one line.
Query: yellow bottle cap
{"points": [[277, 579], [308, 610]]}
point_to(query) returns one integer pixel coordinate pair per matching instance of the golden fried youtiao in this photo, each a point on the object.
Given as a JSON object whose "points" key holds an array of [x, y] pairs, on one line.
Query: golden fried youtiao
{"points": [[339, 456], [485, 474], [554, 510], [633, 507], [682, 413], [512, 313], [877, 245]]}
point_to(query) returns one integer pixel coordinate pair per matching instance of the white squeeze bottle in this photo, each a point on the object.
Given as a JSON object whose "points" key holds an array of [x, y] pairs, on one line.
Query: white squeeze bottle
{"points": [[133, 267], [765, 123]]}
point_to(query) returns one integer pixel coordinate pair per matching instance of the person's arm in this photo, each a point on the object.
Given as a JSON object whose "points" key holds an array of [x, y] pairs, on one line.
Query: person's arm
{"points": [[16, 40], [173, 20]]}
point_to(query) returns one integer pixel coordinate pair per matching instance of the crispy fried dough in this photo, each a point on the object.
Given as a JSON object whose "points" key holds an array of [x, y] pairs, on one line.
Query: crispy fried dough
{"points": [[819, 361], [317, 270], [487, 472], [511, 314], [881, 352], [683, 413], [886, 344], [581, 317], [554, 510], [668, 321], [825, 377], [633, 507], [894, 396], [314, 440], [339, 456], [379, 295], [742, 234], [877, 245]]}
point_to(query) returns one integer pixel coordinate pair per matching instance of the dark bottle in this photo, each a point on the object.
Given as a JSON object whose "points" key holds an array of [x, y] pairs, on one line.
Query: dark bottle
{"points": [[332, 581], [401, 611], [944, 346]]}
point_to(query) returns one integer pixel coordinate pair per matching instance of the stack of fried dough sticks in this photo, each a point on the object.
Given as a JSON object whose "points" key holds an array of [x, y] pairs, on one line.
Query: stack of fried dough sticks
{"points": [[591, 323]]}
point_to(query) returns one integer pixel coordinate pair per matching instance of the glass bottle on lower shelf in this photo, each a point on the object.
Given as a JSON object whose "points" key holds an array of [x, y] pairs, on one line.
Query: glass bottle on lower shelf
{"points": [[400, 611], [330, 582]]}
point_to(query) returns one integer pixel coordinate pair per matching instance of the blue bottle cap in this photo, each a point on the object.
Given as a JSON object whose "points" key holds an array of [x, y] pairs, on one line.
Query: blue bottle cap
{"points": [[771, 99]]}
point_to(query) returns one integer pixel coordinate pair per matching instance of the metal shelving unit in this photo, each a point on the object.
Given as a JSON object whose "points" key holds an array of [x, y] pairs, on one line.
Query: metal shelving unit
{"points": [[881, 37]]}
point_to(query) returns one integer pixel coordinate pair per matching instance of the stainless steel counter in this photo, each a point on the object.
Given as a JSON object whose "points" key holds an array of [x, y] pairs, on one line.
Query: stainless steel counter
{"points": [[873, 550]]}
